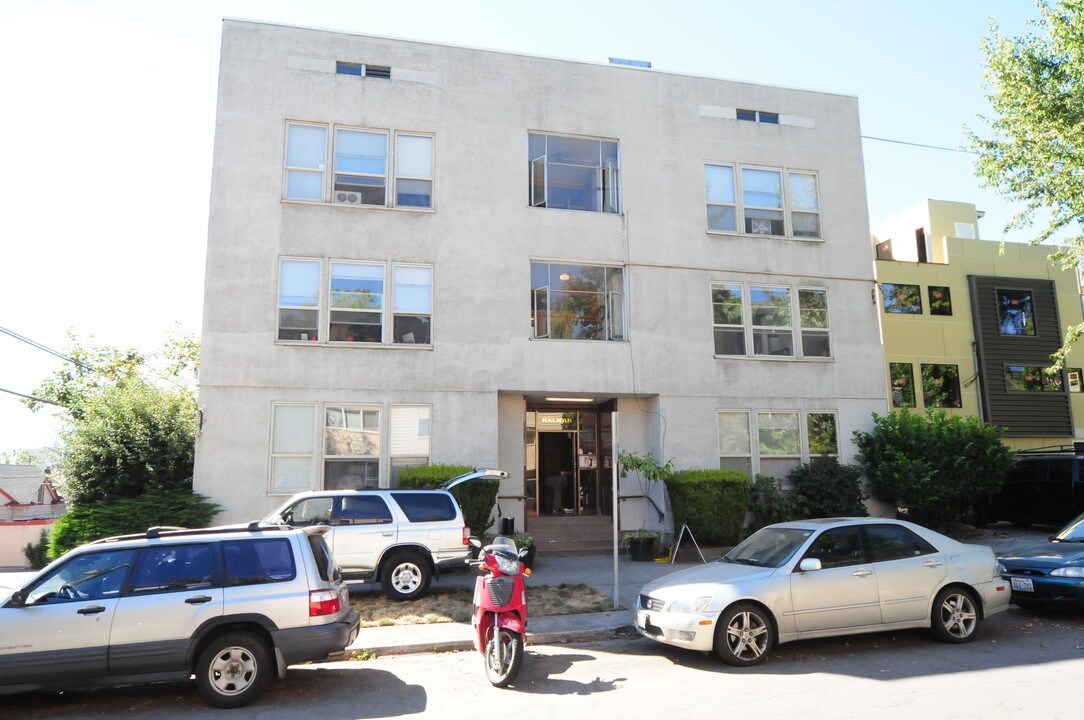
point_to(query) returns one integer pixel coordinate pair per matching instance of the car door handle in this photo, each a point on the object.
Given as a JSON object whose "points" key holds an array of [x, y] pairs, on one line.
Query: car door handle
{"points": [[932, 563], [91, 610], [862, 573], [388, 534], [198, 599]]}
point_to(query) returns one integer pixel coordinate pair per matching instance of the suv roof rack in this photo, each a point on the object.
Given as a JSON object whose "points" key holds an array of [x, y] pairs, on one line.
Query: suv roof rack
{"points": [[160, 531]]}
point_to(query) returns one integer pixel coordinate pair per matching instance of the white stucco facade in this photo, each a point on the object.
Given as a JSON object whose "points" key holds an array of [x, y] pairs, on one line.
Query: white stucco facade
{"points": [[484, 368]]}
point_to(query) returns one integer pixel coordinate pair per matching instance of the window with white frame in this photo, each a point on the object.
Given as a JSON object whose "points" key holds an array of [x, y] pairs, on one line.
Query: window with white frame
{"points": [[358, 296], [782, 440], [360, 170], [408, 437], [758, 320], [762, 201], [577, 302], [351, 447], [573, 173], [292, 450]]}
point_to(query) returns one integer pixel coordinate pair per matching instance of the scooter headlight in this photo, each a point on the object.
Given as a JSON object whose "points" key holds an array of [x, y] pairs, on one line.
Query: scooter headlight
{"points": [[507, 566]]}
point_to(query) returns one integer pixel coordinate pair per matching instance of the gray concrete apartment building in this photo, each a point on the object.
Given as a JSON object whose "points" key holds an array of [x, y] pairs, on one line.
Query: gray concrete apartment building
{"points": [[425, 253]]}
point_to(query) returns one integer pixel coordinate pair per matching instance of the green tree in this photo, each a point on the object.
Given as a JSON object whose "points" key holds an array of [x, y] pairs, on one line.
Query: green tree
{"points": [[1033, 152], [937, 467]]}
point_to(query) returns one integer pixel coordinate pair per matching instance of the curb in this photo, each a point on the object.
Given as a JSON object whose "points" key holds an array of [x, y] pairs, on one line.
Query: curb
{"points": [[554, 637]]}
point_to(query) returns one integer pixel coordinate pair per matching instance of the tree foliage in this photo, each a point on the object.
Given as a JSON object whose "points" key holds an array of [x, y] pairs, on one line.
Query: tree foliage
{"points": [[937, 467], [1034, 150]]}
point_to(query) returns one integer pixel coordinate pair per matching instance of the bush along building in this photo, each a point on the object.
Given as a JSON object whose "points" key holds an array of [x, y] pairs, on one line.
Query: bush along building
{"points": [[970, 324], [421, 253]]}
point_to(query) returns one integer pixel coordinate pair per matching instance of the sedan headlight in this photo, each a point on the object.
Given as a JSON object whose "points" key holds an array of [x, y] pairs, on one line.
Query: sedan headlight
{"points": [[692, 606], [1001, 569], [1074, 571]]}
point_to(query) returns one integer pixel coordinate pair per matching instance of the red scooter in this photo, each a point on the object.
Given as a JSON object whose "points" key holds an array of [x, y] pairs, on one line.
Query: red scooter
{"points": [[500, 608]]}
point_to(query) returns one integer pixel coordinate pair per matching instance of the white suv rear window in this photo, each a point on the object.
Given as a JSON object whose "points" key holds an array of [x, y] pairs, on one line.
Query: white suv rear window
{"points": [[426, 506]]}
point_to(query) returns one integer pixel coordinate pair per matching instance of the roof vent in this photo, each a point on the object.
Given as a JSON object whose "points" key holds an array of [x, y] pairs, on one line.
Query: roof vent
{"points": [[630, 63]]}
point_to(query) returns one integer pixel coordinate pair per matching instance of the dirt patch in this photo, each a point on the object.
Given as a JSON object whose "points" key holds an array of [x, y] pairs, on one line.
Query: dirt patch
{"points": [[445, 605]]}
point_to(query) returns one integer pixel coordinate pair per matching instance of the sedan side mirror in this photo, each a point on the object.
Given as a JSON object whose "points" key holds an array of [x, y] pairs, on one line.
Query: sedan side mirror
{"points": [[809, 564], [18, 598]]}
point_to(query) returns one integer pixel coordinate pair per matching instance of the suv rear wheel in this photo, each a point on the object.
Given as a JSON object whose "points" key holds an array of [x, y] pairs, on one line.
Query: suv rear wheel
{"points": [[406, 576], [233, 670]]}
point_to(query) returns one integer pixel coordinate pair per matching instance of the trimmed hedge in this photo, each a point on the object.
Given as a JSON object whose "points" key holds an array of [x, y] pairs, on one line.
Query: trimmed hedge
{"points": [[121, 516], [711, 502], [476, 497]]}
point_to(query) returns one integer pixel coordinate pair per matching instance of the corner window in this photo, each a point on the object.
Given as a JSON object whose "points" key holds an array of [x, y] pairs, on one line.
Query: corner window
{"points": [[813, 311], [1031, 378], [292, 448], [940, 300], [769, 328], [821, 434], [941, 386], [351, 447], [903, 299], [573, 173], [306, 161], [1016, 315], [299, 299], [577, 302], [768, 206], [804, 204], [902, 377]]}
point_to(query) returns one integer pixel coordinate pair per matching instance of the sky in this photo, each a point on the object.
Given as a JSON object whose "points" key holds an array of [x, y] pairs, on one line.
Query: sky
{"points": [[107, 112]]}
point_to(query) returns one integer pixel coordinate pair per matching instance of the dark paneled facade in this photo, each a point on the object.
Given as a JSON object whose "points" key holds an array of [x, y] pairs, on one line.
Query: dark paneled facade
{"points": [[1017, 326]]}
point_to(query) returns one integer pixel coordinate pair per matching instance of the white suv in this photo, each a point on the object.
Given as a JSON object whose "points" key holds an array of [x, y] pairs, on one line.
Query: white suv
{"points": [[231, 605], [400, 538]]}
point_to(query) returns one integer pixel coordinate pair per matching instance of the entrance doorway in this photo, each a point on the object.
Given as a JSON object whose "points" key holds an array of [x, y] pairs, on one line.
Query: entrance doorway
{"points": [[567, 461]]}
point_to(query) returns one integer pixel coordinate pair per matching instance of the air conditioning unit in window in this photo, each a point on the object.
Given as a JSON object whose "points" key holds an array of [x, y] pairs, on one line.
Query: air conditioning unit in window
{"points": [[347, 198]]}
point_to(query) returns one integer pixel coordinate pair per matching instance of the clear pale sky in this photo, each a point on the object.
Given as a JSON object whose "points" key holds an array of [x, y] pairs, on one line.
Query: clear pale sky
{"points": [[107, 114]]}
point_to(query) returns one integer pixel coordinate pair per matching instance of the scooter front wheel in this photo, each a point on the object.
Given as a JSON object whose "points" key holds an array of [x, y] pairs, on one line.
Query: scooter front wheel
{"points": [[503, 657]]}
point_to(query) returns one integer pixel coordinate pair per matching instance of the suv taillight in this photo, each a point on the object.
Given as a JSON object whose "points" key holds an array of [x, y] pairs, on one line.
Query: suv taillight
{"points": [[323, 602], [466, 536]]}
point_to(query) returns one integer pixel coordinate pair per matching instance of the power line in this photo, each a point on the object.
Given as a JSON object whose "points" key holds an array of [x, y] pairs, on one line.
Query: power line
{"points": [[30, 397], [921, 145], [49, 350]]}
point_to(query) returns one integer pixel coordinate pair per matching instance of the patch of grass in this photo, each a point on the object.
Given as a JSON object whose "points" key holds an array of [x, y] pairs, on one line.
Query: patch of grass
{"points": [[444, 605]]}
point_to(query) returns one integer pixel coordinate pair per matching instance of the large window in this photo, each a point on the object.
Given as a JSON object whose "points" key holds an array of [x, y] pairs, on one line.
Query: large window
{"points": [[1016, 315], [774, 442], [358, 296], [904, 299], [1031, 378], [292, 448], [360, 171], [761, 318], [351, 447], [773, 201], [573, 173], [941, 386], [577, 302]]}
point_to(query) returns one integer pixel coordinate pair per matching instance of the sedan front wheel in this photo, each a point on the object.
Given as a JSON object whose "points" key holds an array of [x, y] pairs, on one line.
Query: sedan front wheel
{"points": [[744, 635], [955, 616]]}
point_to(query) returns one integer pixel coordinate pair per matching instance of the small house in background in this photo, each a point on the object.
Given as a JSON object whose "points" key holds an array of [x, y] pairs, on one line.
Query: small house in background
{"points": [[29, 503]]}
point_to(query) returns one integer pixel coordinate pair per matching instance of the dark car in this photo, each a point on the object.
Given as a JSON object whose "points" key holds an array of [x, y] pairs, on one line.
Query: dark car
{"points": [[1046, 486], [1051, 573]]}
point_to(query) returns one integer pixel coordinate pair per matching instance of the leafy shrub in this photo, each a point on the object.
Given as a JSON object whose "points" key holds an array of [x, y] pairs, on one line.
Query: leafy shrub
{"points": [[938, 468], [104, 518], [37, 554], [769, 503], [827, 489], [476, 497], [711, 502]]}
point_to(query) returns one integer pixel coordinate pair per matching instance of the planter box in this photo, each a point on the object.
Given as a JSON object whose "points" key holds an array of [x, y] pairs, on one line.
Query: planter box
{"points": [[642, 549]]}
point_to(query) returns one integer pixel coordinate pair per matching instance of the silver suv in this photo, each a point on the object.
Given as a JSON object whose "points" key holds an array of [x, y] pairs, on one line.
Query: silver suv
{"points": [[231, 605], [400, 538]]}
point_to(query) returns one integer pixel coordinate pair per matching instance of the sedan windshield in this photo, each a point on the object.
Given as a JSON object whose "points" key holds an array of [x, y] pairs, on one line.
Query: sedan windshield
{"points": [[1073, 532], [768, 547]]}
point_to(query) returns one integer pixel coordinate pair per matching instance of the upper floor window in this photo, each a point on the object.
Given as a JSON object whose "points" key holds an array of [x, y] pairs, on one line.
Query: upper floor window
{"points": [[940, 298], [761, 317], [902, 377], [364, 302], [1031, 378], [578, 302], [904, 299], [360, 170], [573, 173], [772, 201], [1016, 314], [758, 116], [941, 386]]}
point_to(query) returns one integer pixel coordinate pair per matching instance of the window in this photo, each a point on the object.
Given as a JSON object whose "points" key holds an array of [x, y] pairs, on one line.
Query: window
{"points": [[573, 173], [361, 510], [577, 302], [173, 567], [299, 299], [764, 197], [941, 386], [363, 70], [351, 447], [838, 547], [414, 171], [895, 542], [425, 507], [357, 299], [361, 163], [769, 328], [902, 377], [902, 298], [1031, 378], [257, 562], [940, 300], [781, 445], [1016, 316], [758, 116], [94, 576], [1074, 376], [408, 437], [292, 448]]}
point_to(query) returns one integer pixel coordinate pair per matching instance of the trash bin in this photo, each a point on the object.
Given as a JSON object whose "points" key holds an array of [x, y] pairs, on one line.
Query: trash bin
{"points": [[506, 526]]}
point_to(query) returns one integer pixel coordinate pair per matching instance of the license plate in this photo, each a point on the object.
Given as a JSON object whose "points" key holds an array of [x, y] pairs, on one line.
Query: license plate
{"points": [[1023, 585], [641, 619]]}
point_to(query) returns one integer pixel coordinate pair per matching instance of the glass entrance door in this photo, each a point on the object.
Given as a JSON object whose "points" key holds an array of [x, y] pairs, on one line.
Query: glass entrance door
{"points": [[567, 462]]}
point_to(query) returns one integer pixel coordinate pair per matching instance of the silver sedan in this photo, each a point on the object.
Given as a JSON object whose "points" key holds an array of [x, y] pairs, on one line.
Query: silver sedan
{"points": [[818, 578]]}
